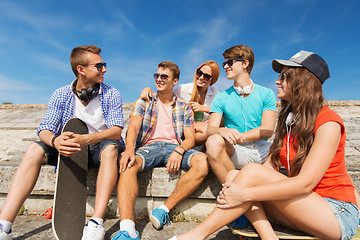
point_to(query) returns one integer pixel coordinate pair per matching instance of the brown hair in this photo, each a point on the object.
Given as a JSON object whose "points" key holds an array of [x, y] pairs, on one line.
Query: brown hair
{"points": [[172, 66], [77, 56], [241, 51], [215, 71], [306, 101]]}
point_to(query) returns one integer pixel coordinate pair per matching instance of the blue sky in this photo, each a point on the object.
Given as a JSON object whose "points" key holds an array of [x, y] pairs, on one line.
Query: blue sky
{"points": [[37, 37]]}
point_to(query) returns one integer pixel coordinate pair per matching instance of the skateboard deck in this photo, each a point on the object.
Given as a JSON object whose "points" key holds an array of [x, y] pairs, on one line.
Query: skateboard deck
{"points": [[280, 231], [70, 194]]}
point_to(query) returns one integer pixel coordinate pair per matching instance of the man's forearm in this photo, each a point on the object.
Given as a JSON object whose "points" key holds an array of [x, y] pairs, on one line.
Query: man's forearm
{"points": [[113, 133], [46, 137], [211, 130], [257, 134]]}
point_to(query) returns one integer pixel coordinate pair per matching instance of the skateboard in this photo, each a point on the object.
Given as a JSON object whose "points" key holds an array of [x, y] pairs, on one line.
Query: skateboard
{"points": [[280, 231], [69, 210]]}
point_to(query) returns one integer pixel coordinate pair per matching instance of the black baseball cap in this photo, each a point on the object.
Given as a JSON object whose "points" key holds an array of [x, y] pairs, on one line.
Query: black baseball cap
{"points": [[309, 60]]}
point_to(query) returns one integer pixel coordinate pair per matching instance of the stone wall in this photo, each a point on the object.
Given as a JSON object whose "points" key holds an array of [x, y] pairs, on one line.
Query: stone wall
{"points": [[18, 124]]}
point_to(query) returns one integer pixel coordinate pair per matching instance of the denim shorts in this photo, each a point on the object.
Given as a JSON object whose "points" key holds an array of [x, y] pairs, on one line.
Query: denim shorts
{"points": [[347, 215], [250, 152], [157, 155], [95, 150]]}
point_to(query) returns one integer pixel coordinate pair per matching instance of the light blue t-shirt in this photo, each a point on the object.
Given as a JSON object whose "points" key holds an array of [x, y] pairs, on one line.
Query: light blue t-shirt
{"points": [[242, 113]]}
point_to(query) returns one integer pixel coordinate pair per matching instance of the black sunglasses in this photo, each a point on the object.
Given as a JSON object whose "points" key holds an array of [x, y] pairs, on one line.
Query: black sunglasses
{"points": [[163, 77], [200, 73], [231, 61], [99, 66], [282, 76]]}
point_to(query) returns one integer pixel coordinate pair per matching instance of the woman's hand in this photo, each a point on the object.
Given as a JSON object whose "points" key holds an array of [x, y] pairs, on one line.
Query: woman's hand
{"points": [[230, 196], [196, 107]]}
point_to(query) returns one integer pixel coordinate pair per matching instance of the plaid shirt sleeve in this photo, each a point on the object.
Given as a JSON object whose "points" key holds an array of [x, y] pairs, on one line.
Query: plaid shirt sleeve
{"points": [[54, 114], [111, 102], [139, 107], [188, 116]]}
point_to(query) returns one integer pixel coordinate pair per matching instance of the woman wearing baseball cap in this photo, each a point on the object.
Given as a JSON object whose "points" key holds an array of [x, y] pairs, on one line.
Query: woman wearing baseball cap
{"points": [[317, 196]]}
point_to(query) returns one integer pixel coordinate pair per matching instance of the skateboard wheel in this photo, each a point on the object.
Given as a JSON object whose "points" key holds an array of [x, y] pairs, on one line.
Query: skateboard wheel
{"points": [[48, 213]]}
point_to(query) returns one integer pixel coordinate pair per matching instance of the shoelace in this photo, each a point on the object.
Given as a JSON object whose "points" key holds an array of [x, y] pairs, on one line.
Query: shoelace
{"points": [[166, 218], [122, 235]]}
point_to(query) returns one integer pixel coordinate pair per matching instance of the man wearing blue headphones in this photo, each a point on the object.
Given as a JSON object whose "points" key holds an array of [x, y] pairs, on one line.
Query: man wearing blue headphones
{"points": [[248, 112], [100, 107]]}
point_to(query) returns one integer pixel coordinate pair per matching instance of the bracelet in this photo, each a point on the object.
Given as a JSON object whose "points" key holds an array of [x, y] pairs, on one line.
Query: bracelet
{"points": [[183, 148], [178, 152], [53, 141]]}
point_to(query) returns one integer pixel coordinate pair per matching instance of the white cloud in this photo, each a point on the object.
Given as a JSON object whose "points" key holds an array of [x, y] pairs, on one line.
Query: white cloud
{"points": [[53, 63], [8, 84]]}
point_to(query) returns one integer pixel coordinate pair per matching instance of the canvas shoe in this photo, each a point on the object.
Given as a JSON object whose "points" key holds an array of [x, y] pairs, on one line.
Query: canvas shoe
{"points": [[173, 238], [159, 218], [5, 236], [93, 231], [124, 235]]}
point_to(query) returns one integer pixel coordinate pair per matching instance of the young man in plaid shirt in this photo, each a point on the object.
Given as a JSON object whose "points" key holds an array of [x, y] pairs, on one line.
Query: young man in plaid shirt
{"points": [[100, 107], [161, 133]]}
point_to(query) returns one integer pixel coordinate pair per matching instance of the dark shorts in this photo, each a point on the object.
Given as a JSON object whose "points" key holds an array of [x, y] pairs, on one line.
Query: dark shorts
{"points": [[157, 155], [95, 150]]}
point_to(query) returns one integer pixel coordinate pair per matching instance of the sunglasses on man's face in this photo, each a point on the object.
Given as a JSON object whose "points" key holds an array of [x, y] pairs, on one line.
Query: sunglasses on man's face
{"points": [[163, 77], [99, 66], [231, 61], [200, 73]]}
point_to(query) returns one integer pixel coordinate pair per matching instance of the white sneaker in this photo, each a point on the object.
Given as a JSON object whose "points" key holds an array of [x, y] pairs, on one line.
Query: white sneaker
{"points": [[173, 238], [93, 231], [5, 236]]}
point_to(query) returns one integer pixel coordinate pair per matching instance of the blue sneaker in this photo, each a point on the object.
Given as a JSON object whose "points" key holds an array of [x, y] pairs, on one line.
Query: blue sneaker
{"points": [[159, 218], [241, 222], [124, 235]]}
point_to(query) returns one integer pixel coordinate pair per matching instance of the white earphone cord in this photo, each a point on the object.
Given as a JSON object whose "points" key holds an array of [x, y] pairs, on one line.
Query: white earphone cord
{"points": [[288, 131]]}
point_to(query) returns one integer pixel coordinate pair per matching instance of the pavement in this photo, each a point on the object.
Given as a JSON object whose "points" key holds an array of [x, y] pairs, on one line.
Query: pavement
{"points": [[37, 227]]}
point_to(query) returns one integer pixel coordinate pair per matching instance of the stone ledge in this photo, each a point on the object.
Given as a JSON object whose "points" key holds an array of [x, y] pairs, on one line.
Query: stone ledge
{"points": [[154, 187]]}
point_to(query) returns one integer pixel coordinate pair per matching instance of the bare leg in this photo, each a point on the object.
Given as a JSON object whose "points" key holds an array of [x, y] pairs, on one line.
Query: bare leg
{"points": [[106, 180], [308, 212], [23, 182], [190, 181], [218, 151], [256, 214], [128, 189]]}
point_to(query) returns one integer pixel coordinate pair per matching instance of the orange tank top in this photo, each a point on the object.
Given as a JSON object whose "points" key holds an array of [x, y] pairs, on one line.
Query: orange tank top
{"points": [[336, 182]]}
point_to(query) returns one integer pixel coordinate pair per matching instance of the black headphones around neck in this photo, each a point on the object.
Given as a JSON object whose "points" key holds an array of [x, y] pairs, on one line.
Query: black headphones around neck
{"points": [[86, 94]]}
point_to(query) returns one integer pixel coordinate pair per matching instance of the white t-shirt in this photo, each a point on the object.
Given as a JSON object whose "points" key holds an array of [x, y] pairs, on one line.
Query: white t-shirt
{"points": [[91, 114], [184, 92]]}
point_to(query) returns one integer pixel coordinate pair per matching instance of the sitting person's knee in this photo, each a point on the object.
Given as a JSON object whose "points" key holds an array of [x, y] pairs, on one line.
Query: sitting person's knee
{"points": [[200, 162], [109, 152], [231, 175], [214, 142], [35, 154]]}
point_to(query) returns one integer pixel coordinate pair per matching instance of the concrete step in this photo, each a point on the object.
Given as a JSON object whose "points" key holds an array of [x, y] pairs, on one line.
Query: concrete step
{"points": [[18, 124], [154, 187]]}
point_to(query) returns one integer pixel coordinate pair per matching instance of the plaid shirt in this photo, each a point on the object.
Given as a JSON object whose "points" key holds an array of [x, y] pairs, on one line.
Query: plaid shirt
{"points": [[61, 108], [183, 117]]}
